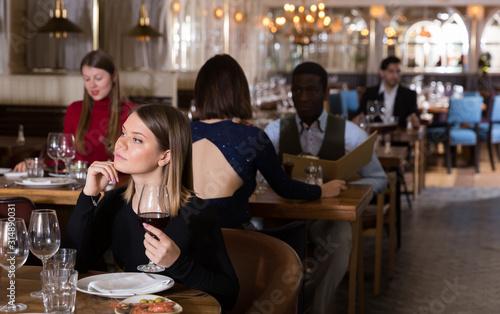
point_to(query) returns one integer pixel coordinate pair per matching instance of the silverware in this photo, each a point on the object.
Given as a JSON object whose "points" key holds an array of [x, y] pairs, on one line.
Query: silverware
{"points": [[199, 295], [6, 185]]}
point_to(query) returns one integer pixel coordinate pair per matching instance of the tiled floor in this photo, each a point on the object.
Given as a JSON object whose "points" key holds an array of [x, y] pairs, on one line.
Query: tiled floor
{"points": [[449, 259]]}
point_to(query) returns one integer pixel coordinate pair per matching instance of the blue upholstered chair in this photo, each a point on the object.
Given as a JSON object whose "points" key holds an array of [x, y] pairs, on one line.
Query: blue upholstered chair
{"points": [[490, 131], [463, 111], [349, 100], [336, 107], [471, 93]]}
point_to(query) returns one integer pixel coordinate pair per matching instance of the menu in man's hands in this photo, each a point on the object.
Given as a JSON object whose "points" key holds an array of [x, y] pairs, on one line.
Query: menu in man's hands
{"points": [[343, 168]]}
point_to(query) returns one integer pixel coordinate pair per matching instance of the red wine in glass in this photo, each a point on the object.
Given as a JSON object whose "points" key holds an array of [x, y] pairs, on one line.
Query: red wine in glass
{"points": [[158, 220], [154, 209]]}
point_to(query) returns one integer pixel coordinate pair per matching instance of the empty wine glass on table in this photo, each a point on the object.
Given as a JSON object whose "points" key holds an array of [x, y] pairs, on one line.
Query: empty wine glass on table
{"points": [[153, 209], [14, 252], [66, 150], [44, 237], [52, 147]]}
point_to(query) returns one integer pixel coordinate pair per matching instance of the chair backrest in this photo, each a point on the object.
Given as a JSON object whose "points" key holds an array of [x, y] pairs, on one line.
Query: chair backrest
{"points": [[336, 107], [465, 110], [495, 110], [20, 206], [350, 100], [269, 272], [471, 93]]}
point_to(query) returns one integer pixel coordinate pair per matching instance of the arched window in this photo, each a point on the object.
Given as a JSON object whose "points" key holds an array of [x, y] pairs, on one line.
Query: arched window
{"points": [[437, 46], [490, 42]]}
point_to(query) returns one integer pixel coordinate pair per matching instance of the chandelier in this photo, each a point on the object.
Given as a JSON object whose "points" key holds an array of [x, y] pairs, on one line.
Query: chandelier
{"points": [[302, 23], [142, 31]]}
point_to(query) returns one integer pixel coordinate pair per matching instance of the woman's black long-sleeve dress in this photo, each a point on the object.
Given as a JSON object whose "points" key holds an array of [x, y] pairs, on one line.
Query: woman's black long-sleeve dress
{"points": [[203, 264]]}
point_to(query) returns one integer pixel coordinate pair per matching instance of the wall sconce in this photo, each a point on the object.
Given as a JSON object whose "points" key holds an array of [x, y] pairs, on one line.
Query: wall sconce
{"points": [[377, 11], [475, 12], [143, 31], [238, 17], [58, 26], [176, 7], [219, 13]]}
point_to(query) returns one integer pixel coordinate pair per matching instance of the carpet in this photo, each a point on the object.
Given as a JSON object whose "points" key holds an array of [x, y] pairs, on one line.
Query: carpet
{"points": [[449, 260]]}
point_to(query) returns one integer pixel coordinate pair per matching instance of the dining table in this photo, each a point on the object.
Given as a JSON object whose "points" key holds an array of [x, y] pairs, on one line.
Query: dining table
{"points": [[10, 147], [27, 280], [348, 206]]}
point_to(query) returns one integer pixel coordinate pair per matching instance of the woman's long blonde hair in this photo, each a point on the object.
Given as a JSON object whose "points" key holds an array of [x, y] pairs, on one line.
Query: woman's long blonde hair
{"points": [[101, 60], [172, 131]]}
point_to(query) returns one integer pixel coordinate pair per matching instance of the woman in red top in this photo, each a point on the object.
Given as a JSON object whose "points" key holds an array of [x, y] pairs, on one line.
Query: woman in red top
{"points": [[96, 120]]}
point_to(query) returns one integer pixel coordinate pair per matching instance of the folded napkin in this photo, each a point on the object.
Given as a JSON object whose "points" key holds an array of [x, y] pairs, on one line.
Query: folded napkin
{"points": [[15, 174], [135, 283], [38, 181]]}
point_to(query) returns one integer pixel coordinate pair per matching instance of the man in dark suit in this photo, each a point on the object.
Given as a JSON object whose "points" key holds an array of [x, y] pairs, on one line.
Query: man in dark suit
{"points": [[399, 101]]}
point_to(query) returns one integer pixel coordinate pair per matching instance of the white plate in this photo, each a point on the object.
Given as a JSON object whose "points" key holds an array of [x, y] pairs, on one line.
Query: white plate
{"points": [[138, 298], [83, 284], [5, 170], [45, 182]]}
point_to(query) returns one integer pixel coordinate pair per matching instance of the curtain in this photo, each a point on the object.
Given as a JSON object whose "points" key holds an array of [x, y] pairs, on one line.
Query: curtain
{"points": [[48, 53], [119, 17], [4, 38]]}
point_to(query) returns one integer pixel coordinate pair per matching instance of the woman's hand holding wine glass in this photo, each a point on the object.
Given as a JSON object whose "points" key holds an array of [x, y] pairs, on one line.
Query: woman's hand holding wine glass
{"points": [[44, 236], [153, 209], [13, 251], [66, 149]]}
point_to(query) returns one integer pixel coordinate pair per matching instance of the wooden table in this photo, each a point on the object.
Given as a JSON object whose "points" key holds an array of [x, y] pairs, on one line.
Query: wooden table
{"points": [[347, 206], [415, 138], [10, 148], [28, 280]]}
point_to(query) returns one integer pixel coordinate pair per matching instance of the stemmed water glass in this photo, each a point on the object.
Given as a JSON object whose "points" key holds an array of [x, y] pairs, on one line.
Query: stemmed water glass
{"points": [[153, 209], [52, 148], [13, 251], [66, 150], [44, 237]]}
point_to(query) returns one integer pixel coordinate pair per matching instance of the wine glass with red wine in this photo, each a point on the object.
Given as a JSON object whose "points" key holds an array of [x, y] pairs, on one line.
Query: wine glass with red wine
{"points": [[153, 209]]}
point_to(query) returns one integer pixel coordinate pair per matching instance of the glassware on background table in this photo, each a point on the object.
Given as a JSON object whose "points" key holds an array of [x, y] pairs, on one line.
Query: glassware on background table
{"points": [[153, 209], [14, 252], [59, 290], [52, 147], [64, 258], [78, 170], [261, 183], [66, 150], [44, 237], [34, 167]]}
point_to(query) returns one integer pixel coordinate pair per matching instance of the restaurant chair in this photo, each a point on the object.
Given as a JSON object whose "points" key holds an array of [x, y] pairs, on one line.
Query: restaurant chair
{"points": [[462, 125], [375, 217], [22, 207], [336, 107], [489, 132], [269, 271], [349, 100]]}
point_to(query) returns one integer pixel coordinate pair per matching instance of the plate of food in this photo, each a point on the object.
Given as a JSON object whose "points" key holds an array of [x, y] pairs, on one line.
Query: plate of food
{"points": [[147, 303]]}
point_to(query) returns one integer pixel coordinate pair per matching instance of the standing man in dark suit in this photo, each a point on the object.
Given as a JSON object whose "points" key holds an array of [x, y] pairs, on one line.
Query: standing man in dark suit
{"points": [[398, 101]]}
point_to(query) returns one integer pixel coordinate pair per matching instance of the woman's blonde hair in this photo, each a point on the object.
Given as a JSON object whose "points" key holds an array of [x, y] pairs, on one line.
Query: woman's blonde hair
{"points": [[101, 60], [172, 132]]}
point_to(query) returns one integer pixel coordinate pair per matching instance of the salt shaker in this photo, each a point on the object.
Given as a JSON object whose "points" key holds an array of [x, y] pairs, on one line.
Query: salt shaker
{"points": [[20, 135]]}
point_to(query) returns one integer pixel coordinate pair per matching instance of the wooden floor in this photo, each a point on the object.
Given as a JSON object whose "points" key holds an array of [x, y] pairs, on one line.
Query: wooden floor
{"points": [[464, 174], [448, 259]]}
